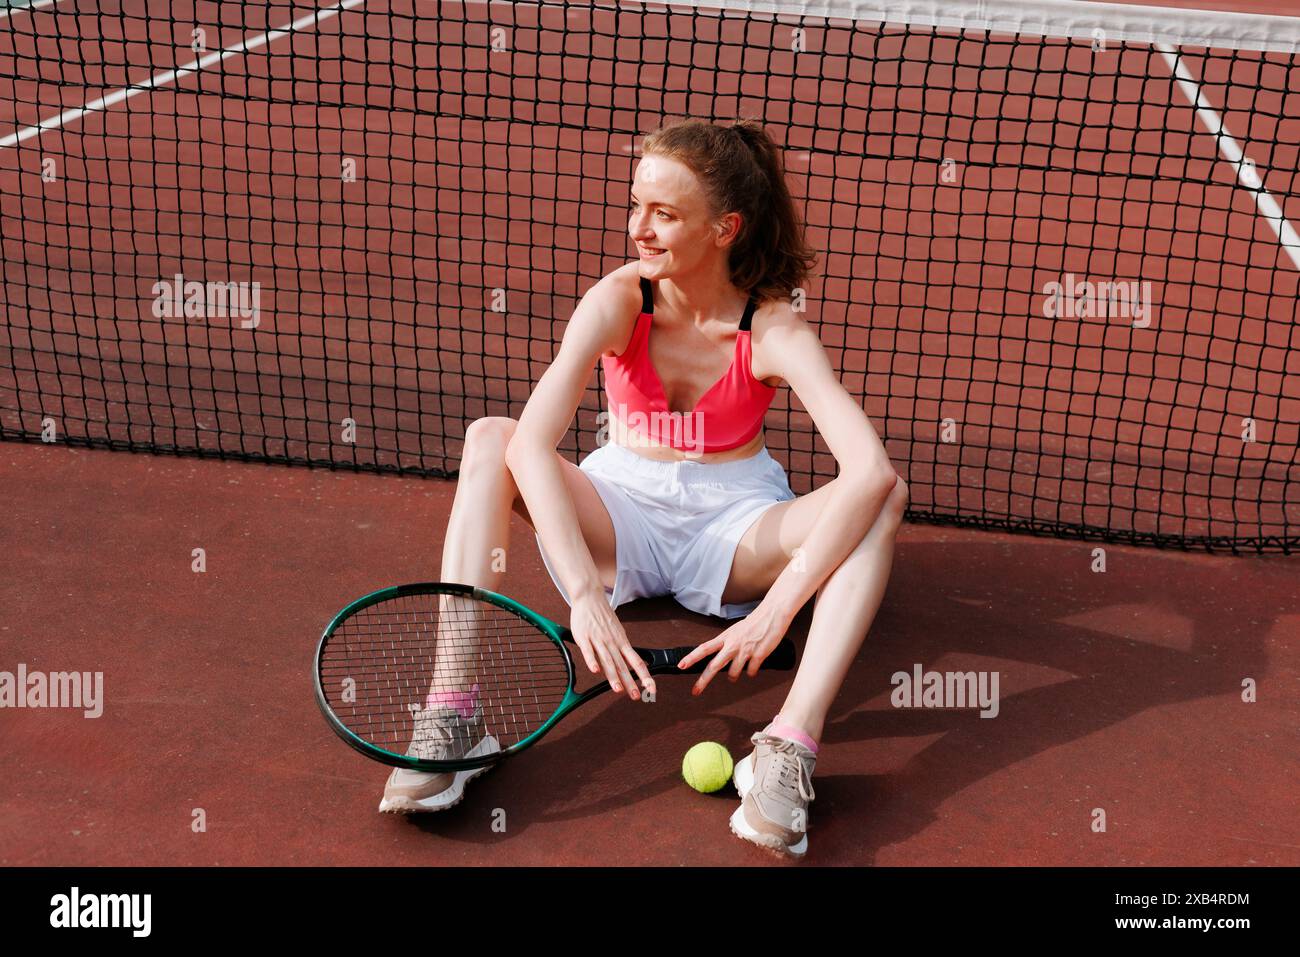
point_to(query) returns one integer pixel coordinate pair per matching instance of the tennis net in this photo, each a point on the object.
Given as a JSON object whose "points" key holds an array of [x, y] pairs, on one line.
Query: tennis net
{"points": [[1057, 266]]}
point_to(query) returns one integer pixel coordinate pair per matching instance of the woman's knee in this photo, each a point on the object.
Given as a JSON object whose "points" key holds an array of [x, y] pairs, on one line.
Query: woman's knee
{"points": [[898, 497], [486, 439], [895, 504], [894, 509]]}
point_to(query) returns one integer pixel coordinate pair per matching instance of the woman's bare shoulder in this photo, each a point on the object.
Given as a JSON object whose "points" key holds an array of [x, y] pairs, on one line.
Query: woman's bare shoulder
{"points": [[770, 316], [620, 304]]}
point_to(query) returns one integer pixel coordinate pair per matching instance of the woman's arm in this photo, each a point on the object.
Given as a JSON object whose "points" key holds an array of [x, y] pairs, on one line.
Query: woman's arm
{"points": [[788, 347], [593, 329], [601, 323]]}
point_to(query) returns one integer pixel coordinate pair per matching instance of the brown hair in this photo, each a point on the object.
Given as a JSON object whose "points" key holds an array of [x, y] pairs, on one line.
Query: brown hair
{"points": [[740, 168]]}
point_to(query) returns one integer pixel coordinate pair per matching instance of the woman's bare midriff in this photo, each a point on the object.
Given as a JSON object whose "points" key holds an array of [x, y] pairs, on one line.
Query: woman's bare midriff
{"points": [[619, 434]]}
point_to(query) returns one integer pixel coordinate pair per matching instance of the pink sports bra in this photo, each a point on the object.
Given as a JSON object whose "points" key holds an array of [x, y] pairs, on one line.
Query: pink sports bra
{"points": [[727, 416]]}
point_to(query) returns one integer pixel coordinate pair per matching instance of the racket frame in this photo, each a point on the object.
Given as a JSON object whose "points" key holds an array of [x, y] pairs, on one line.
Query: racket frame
{"points": [[658, 661]]}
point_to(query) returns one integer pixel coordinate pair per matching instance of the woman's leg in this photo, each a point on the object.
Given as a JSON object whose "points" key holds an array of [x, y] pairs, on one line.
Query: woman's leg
{"points": [[846, 602], [845, 608], [474, 553], [477, 542], [775, 780], [476, 547]]}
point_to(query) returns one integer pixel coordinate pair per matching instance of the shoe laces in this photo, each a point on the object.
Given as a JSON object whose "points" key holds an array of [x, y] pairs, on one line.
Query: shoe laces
{"points": [[792, 770], [433, 739]]}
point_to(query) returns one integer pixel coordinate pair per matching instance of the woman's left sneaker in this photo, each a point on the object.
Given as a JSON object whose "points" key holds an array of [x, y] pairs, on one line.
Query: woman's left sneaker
{"points": [[442, 732], [775, 786]]}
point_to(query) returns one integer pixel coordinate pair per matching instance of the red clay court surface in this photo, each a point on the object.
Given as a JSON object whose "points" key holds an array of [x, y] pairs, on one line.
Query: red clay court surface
{"points": [[1120, 691]]}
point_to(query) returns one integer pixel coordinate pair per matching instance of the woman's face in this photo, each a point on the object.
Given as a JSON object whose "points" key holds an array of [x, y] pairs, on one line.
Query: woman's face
{"points": [[670, 222]]}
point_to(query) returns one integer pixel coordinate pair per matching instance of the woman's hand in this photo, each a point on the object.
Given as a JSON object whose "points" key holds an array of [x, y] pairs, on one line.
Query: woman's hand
{"points": [[605, 647], [747, 642]]}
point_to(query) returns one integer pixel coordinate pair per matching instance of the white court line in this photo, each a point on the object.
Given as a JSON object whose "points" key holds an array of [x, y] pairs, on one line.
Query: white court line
{"points": [[1080, 19], [1232, 152], [37, 5], [162, 79]]}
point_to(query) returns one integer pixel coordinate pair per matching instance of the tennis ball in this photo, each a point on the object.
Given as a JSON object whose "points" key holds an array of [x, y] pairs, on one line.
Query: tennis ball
{"points": [[707, 767]]}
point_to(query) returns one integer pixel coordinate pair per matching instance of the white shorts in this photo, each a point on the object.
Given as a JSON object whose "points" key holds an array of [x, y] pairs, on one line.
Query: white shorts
{"points": [[677, 524]]}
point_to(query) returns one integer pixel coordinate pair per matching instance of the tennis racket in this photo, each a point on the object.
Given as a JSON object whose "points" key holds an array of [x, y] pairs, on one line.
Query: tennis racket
{"points": [[444, 677]]}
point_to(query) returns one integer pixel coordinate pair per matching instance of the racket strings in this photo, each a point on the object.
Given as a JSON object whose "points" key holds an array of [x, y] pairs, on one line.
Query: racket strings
{"points": [[408, 665]]}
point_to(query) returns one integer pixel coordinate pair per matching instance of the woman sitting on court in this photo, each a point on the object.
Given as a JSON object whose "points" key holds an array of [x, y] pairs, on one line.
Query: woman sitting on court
{"points": [[684, 499]]}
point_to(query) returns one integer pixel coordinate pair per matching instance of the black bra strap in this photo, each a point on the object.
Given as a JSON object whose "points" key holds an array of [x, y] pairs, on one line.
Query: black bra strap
{"points": [[648, 304], [647, 296]]}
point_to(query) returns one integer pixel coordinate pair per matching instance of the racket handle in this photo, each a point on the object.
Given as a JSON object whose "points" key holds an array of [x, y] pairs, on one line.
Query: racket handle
{"points": [[665, 659]]}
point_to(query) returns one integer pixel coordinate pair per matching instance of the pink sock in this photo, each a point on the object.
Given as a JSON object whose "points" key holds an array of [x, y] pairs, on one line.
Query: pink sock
{"points": [[463, 701], [791, 733]]}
